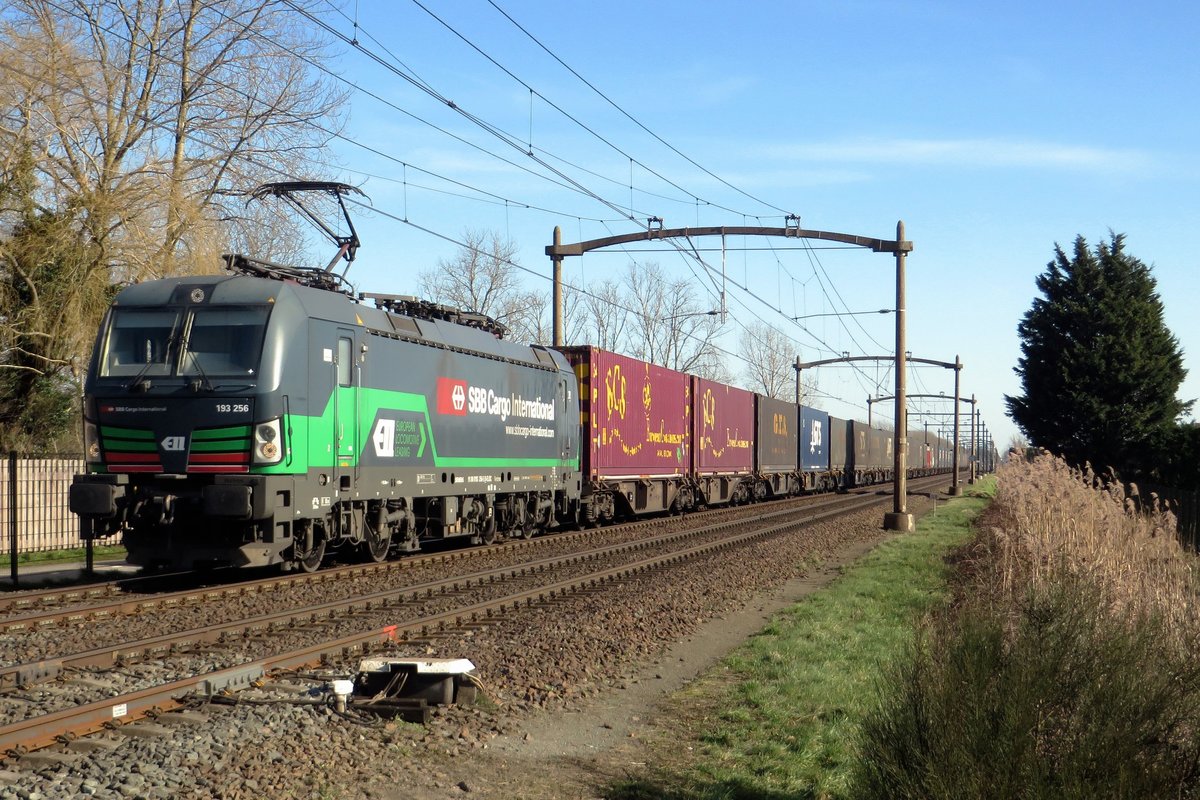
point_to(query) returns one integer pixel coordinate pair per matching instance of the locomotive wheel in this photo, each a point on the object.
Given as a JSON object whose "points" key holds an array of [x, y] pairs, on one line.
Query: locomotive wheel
{"points": [[488, 534], [376, 544], [522, 523], [309, 550], [528, 526]]}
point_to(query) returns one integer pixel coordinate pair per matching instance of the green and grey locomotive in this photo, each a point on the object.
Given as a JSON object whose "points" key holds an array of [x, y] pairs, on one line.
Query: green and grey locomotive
{"points": [[246, 420]]}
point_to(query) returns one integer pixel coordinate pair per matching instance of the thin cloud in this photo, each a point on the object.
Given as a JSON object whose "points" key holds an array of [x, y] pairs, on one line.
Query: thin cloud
{"points": [[967, 152]]}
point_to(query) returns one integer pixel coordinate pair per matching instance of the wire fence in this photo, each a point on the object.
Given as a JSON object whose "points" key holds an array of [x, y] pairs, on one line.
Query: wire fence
{"points": [[34, 517]]}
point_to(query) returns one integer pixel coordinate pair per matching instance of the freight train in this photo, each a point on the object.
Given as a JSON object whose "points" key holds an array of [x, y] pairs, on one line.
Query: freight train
{"points": [[273, 417]]}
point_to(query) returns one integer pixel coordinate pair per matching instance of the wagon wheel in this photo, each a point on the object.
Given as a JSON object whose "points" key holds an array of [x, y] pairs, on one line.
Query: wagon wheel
{"points": [[309, 546], [376, 543]]}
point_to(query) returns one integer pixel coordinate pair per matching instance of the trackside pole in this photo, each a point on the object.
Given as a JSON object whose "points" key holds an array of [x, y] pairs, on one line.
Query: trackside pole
{"points": [[955, 488], [12, 515], [899, 519]]}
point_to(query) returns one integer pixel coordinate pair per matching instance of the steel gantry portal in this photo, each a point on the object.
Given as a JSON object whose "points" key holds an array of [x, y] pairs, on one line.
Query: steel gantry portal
{"points": [[899, 519], [955, 488], [900, 516]]}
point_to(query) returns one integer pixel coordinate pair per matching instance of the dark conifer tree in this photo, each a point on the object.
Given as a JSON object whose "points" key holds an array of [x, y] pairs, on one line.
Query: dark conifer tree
{"points": [[1099, 368]]}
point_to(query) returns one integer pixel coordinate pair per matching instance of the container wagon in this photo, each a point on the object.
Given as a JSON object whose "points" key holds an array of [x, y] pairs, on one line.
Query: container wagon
{"points": [[723, 424], [636, 432]]}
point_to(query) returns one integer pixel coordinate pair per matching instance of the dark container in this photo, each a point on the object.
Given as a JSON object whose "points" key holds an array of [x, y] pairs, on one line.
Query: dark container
{"points": [[722, 428], [879, 449], [841, 444], [859, 446], [816, 437], [635, 417], [777, 440]]}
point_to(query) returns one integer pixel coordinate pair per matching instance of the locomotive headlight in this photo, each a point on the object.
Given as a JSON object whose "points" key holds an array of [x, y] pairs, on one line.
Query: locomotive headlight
{"points": [[91, 442], [266, 442]]}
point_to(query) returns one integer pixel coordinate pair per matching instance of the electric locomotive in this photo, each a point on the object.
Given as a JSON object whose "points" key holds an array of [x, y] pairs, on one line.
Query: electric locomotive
{"points": [[251, 419]]}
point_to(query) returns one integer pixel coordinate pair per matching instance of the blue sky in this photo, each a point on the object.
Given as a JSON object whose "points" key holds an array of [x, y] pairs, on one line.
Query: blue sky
{"points": [[993, 130]]}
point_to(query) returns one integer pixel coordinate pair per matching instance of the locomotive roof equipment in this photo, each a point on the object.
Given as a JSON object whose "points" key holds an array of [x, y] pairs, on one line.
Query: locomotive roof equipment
{"points": [[289, 192]]}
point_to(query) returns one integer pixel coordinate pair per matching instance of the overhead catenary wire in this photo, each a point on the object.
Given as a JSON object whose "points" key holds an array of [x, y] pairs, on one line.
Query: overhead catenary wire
{"points": [[375, 151], [424, 86], [498, 199], [690, 199], [528, 270], [574, 119], [630, 117], [508, 138]]}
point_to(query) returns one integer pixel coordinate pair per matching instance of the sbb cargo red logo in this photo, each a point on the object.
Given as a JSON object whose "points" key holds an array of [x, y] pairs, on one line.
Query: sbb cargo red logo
{"points": [[452, 397]]}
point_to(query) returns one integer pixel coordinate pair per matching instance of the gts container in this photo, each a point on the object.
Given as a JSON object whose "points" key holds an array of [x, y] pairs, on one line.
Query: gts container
{"points": [[723, 439], [636, 433]]}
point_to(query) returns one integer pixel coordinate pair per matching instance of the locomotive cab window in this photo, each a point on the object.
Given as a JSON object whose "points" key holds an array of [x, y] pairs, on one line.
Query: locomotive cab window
{"points": [[207, 341], [140, 342], [345, 362], [224, 341]]}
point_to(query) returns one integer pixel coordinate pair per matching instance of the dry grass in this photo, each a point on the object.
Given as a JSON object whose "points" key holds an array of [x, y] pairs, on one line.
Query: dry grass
{"points": [[1056, 524], [1065, 667]]}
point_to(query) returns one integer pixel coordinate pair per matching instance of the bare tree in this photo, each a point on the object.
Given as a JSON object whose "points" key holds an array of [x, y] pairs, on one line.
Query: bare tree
{"points": [[481, 278], [605, 316], [531, 322], [768, 361], [668, 326], [135, 129]]}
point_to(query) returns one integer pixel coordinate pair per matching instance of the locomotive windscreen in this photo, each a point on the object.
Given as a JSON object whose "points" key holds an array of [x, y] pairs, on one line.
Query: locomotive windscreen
{"points": [[223, 341], [200, 340]]}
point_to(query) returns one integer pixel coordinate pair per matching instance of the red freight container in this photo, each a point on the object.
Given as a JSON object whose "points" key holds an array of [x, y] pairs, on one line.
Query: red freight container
{"points": [[635, 416], [722, 428]]}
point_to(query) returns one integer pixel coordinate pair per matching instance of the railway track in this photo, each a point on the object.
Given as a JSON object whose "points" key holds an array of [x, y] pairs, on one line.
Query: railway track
{"points": [[33, 610], [183, 665]]}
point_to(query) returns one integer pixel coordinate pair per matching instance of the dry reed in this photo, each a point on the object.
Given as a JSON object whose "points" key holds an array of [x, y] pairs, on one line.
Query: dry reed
{"points": [[1056, 523]]}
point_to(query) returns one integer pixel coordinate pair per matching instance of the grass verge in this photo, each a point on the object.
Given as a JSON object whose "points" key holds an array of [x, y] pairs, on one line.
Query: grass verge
{"points": [[781, 717], [106, 552]]}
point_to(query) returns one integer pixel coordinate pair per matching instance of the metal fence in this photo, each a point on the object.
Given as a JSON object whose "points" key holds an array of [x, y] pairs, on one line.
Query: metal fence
{"points": [[34, 516]]}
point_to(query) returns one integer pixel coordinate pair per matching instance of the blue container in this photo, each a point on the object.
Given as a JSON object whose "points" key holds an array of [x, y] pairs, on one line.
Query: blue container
{"points": [[815, 436]]}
